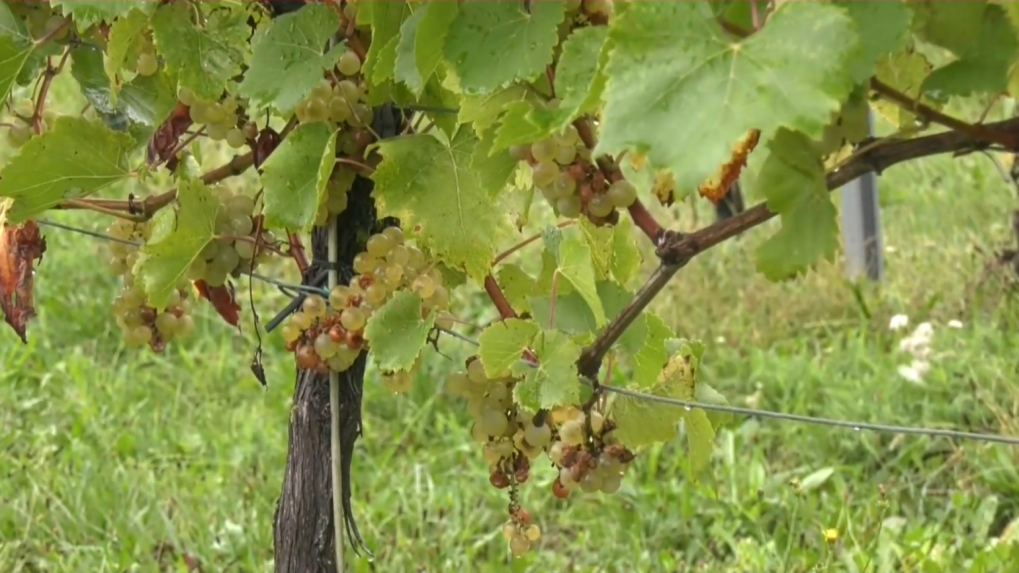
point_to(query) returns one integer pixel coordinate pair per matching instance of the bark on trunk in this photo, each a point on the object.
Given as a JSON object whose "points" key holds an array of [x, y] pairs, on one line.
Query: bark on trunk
{"points": [[303, 529]]}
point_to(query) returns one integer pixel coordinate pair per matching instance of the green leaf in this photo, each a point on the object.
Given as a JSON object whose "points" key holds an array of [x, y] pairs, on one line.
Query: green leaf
{"points": [[905, 71], [517, 285], [503, 343], [177, 238], [613, 249], [816, 479], [483, 111], [406, 70], [124, 42], [793, 182], [296, 174], [683, 91], [554, 382], [75, 158], [705, 394], [494, 168], [431, 37], [288, 60], [574, 263], [983, 68], [517, 127], [579, 80], [882, 28], [700, 440], [16, 50], [432, 187], [144, 100], [952, 25], [640, 421], [572, 313], [204, 57], [397, 333], [492, 44], [87, 13], [387, 18]]}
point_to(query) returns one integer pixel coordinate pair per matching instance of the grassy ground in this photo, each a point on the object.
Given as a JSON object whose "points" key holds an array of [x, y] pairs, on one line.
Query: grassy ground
{"points": [[115, 460]]}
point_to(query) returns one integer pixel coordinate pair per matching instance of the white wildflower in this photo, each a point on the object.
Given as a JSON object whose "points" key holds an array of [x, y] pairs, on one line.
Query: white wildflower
{"points": [[898, 322], [915, 371], [954, 324]]}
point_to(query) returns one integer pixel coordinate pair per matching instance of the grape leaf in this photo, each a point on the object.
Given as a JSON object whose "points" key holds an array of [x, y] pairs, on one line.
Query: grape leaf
{"points": [[296, 174], [503, 343], [144, 100], [517, 286], [406, 70], [124, 41], [983, 67], [641, 422], [432, 187], [483, 111], [705, 394], [952, 25], [205, 57], [644, 340], [178, 236], [574, 263], [554, 382], [16, 50], [75, 158], [700, 440], [288, 60], [387, 18], [882, 28], [517, 127], [683, 92], [397, 333], [87, 13], [494, 168], [613, 250], [793, 181], [579, 80], [429, 38], [488, 32], [572, 313], [905, 71]]}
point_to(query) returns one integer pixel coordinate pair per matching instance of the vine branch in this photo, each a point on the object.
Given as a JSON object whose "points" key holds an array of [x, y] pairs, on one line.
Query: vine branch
{"points": [[677, 249]]}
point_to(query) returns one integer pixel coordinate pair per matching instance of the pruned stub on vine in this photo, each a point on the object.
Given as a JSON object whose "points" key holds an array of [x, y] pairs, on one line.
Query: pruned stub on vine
{"points": [[21, 246]]}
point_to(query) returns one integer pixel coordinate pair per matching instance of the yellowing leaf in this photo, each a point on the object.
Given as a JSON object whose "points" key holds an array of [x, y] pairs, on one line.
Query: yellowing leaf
{"points": [[502, 344]]}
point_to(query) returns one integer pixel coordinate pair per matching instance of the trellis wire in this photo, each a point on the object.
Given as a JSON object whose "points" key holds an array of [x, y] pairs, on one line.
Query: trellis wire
{"points": [[686, 404]]}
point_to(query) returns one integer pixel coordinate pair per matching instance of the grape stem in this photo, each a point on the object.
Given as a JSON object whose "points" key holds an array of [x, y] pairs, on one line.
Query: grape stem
{"points": [[642, 218], [510, 251], [677, 250], [297, 252], [359, 167], [118, 213], [47, 80], [499, 298]]}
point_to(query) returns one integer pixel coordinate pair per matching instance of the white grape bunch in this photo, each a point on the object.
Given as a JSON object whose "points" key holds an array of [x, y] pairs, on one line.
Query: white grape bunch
{"points": [[220, 119], [328, 333], [562, 170], [238, 245]]}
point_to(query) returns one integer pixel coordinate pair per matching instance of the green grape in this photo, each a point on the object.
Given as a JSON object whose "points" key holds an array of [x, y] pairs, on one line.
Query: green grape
{"points": [[235, 138], [216, 131], [393, 273], [400, 255], [594, 7], [439, 298], [492, 422], [245, 249], [226, 259], [187, 97], [147, 64], [18, 135], [322, 91], [290, 333], [241, 204], [215, 276], [416, 260], [568, 138], [167, 324], [424, 286], [533, 532], [569, 207], [610, 483], [336, 203], [325, 347], [313, 110], [622, 194], [364, 263], [241, 225], [379, 245], [476, 372], [600, 206], [395, 235], [339, 110], [363, 114], [348, 90], [544, 150], [572, 432], [199, 112], [565, 155], [250, 130], [545, 173], [338, 297], [537, 436], [376, 294], [353, 319], [301, 321], [24, 108], [141, 334], [314, 306], [399, 382], [349, 64], [565, 185]]}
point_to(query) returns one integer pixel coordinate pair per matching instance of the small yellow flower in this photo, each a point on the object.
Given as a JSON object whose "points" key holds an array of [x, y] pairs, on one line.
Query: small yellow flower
{"points": [[831, 535]]}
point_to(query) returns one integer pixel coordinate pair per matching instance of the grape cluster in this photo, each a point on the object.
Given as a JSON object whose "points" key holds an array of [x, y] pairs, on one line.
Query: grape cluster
{"points": [[593, 461], [139, 322], [520, 532], [42, 21], [329, 334], [342, 104], [219, 118], [234, 249], [334, 200], [563, 172]]}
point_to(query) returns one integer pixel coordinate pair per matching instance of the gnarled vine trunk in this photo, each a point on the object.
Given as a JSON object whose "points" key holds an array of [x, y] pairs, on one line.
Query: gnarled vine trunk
{"points": [[303, 529]]}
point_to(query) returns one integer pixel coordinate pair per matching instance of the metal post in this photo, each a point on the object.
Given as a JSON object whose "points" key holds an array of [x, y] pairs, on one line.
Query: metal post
{"points": [[861, 225]]}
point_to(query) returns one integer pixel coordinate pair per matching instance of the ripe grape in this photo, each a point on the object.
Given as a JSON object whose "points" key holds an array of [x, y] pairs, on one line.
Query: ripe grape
{"points": [[353, 318], [622, 194], [349, 64], [147, 64], [18, 135], [235, 138]]}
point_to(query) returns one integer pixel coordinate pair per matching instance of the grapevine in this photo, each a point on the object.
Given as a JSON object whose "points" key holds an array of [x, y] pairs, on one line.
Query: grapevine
{"points": [[396, 134]]}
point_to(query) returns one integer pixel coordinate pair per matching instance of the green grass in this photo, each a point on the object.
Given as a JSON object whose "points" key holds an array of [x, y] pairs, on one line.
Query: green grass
{"points": [[118, 460]]}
